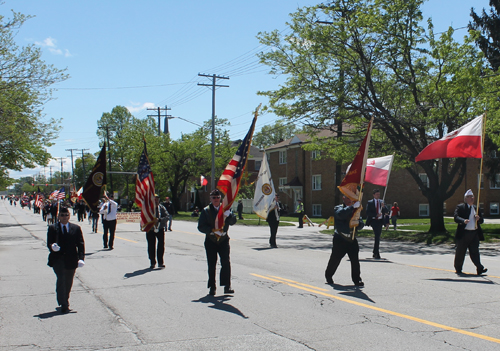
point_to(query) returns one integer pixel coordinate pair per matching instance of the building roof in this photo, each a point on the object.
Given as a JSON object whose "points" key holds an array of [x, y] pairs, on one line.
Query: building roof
{"points": [[255, 152], [301, 138]]}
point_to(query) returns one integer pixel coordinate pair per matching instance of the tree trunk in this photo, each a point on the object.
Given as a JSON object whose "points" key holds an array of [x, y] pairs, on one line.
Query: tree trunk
{"points": [[436, 208]]}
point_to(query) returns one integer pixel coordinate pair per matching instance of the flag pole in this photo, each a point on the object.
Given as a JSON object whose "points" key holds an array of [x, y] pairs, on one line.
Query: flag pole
{"points": [[481, 167], [388, 176], [363, 168]]}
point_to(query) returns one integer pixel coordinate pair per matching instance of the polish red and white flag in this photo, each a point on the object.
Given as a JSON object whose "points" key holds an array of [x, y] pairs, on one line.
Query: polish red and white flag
{"points": [[378, 170], [464, 142], [203, 181]]}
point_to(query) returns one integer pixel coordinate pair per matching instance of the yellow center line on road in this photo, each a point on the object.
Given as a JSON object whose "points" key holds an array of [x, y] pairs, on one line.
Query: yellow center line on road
{"points": [[453, 271], [117, 237], [319, 291]]}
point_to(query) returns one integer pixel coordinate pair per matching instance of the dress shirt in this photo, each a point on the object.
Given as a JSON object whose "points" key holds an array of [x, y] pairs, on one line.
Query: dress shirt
{"points": [[472, 219]]}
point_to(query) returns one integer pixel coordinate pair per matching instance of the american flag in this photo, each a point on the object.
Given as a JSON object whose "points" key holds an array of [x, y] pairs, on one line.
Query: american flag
{"points": [[229, 182], [39, 199], [145, 192], [58, 194]]}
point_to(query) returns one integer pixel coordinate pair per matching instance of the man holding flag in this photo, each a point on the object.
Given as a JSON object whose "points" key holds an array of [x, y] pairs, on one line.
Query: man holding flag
{"points": [[347, 216]]}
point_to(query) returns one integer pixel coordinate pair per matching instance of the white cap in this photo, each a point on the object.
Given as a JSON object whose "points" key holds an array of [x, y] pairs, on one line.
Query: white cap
{"points": [[468, 193]]}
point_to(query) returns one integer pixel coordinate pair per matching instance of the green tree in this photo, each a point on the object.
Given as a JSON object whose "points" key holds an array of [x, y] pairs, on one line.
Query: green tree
{"points": [[83, 168], [488, 35], [374, 59], [24, 88], [273, 134]]}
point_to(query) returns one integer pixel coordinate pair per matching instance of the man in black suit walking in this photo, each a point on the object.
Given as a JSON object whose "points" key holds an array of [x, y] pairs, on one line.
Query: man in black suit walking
{"points": [[157, 233], [273, 219], [67, 252], [375, 211], [468, 233]]}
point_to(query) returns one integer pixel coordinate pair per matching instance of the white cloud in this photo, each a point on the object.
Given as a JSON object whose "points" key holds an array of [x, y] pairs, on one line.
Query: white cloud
{"points": [[137, 106], [51, 44]]}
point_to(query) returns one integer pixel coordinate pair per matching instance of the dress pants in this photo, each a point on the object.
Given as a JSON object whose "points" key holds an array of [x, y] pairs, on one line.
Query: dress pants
{"points": [[213, 249], [301, 219], [273, 226], [111, 227], [470, 241], [341, 247], [156, 252], [376, 225], [64, 282]]}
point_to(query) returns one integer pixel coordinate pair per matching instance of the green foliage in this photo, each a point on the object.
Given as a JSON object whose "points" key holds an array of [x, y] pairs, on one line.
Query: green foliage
{"points": [[24, 88], [273, 134], [374, 59]]}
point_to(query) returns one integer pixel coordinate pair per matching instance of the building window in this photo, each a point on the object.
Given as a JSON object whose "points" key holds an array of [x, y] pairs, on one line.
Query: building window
{"points": [[444, 209], [494, 208], [423, 210], [315, 154], [282, 181], [482, 181], [282, 157], [316, 182], [316, 210], [424, 179], [257, 165], [495, 182]]}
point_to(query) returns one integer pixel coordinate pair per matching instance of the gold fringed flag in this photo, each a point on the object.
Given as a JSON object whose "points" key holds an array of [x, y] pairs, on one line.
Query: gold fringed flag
{"points": [[352, 184], [96, 180]]}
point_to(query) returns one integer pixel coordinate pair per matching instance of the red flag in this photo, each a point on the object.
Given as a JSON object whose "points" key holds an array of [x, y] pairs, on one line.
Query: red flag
{"points": [[378, 170], [145, 192], [353, 181], [229, 182], [203, 181], [465, 142]]}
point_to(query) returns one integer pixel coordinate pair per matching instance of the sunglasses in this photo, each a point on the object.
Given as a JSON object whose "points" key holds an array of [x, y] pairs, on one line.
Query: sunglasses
{"points": [[64, 215], [215, 197]]}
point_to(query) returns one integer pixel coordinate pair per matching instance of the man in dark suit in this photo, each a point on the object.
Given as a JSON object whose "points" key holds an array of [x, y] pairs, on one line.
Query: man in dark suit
{"points": [[216, 243], [273, 219], [67, 252], [157, 233], [375, 211], [468, 233]]}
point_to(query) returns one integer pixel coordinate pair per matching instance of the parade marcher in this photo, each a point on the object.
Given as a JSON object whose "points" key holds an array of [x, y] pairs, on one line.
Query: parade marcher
{"points": [[395, 213], [375, 212], [67, 252], [239, 209], [95, 220], [157, 233], [343, 242], [108, 210], [216, 244], [171, 211], [300, 211], [468, 233], [80, 208], [273, 219]]}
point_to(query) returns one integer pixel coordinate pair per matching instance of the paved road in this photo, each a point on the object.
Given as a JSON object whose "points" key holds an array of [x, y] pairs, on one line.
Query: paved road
{"points": [[412, 299]]}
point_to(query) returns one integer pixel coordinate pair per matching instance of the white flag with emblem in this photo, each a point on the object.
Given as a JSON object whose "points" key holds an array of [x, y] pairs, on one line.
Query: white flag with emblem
{"points": [[263, 200]]}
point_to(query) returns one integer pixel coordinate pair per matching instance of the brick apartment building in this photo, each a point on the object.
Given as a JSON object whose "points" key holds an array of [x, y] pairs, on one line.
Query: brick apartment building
{"points": [[302, 174]]}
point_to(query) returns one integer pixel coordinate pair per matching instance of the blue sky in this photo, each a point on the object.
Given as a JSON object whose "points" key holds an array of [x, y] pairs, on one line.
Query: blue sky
{"points": [[148, 53]]}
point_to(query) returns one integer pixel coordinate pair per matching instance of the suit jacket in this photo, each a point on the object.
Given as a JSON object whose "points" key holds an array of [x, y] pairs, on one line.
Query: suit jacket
{"points": [[462, 212], [72, 245], [371, 211], [271, 216], [206, 222]]}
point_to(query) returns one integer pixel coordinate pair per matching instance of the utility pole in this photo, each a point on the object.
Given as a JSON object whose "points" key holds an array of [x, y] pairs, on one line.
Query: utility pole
{"points": [[213, 85], [62, 162], [159, 115], [83, 164], [72, 168], [107, 127]]}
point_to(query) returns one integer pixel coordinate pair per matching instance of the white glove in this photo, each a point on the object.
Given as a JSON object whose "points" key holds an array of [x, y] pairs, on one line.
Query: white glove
{"points": [[55, 247], [356, 204], [81, 263], [227, 213]]}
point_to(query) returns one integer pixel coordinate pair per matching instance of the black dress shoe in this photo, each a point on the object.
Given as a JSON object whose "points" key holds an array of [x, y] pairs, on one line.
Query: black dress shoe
{"points": [[65, 310], [481, 271], [212, 292], [228, 290], [377, 256], [161, 265], [458, 272], [360, 283], [329, 281], [152, 266], [274, 246]]}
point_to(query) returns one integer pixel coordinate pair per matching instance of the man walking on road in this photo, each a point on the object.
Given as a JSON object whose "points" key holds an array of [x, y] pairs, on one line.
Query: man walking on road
{"points": [[157, 233], [468, 233], [375, 211], [169, 206], [273, 219], [67, 252], [109, 209], [216, 244]]}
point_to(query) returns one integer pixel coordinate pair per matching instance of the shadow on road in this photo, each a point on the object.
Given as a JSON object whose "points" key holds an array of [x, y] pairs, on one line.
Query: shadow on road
{"points": [[461, 280], [138, 272], [352, 291], [218, 303]]}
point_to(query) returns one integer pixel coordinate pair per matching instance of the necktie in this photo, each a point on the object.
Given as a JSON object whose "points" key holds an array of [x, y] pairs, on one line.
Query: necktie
{"points": [[378, 208], [65, 231], [109, 207]]}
